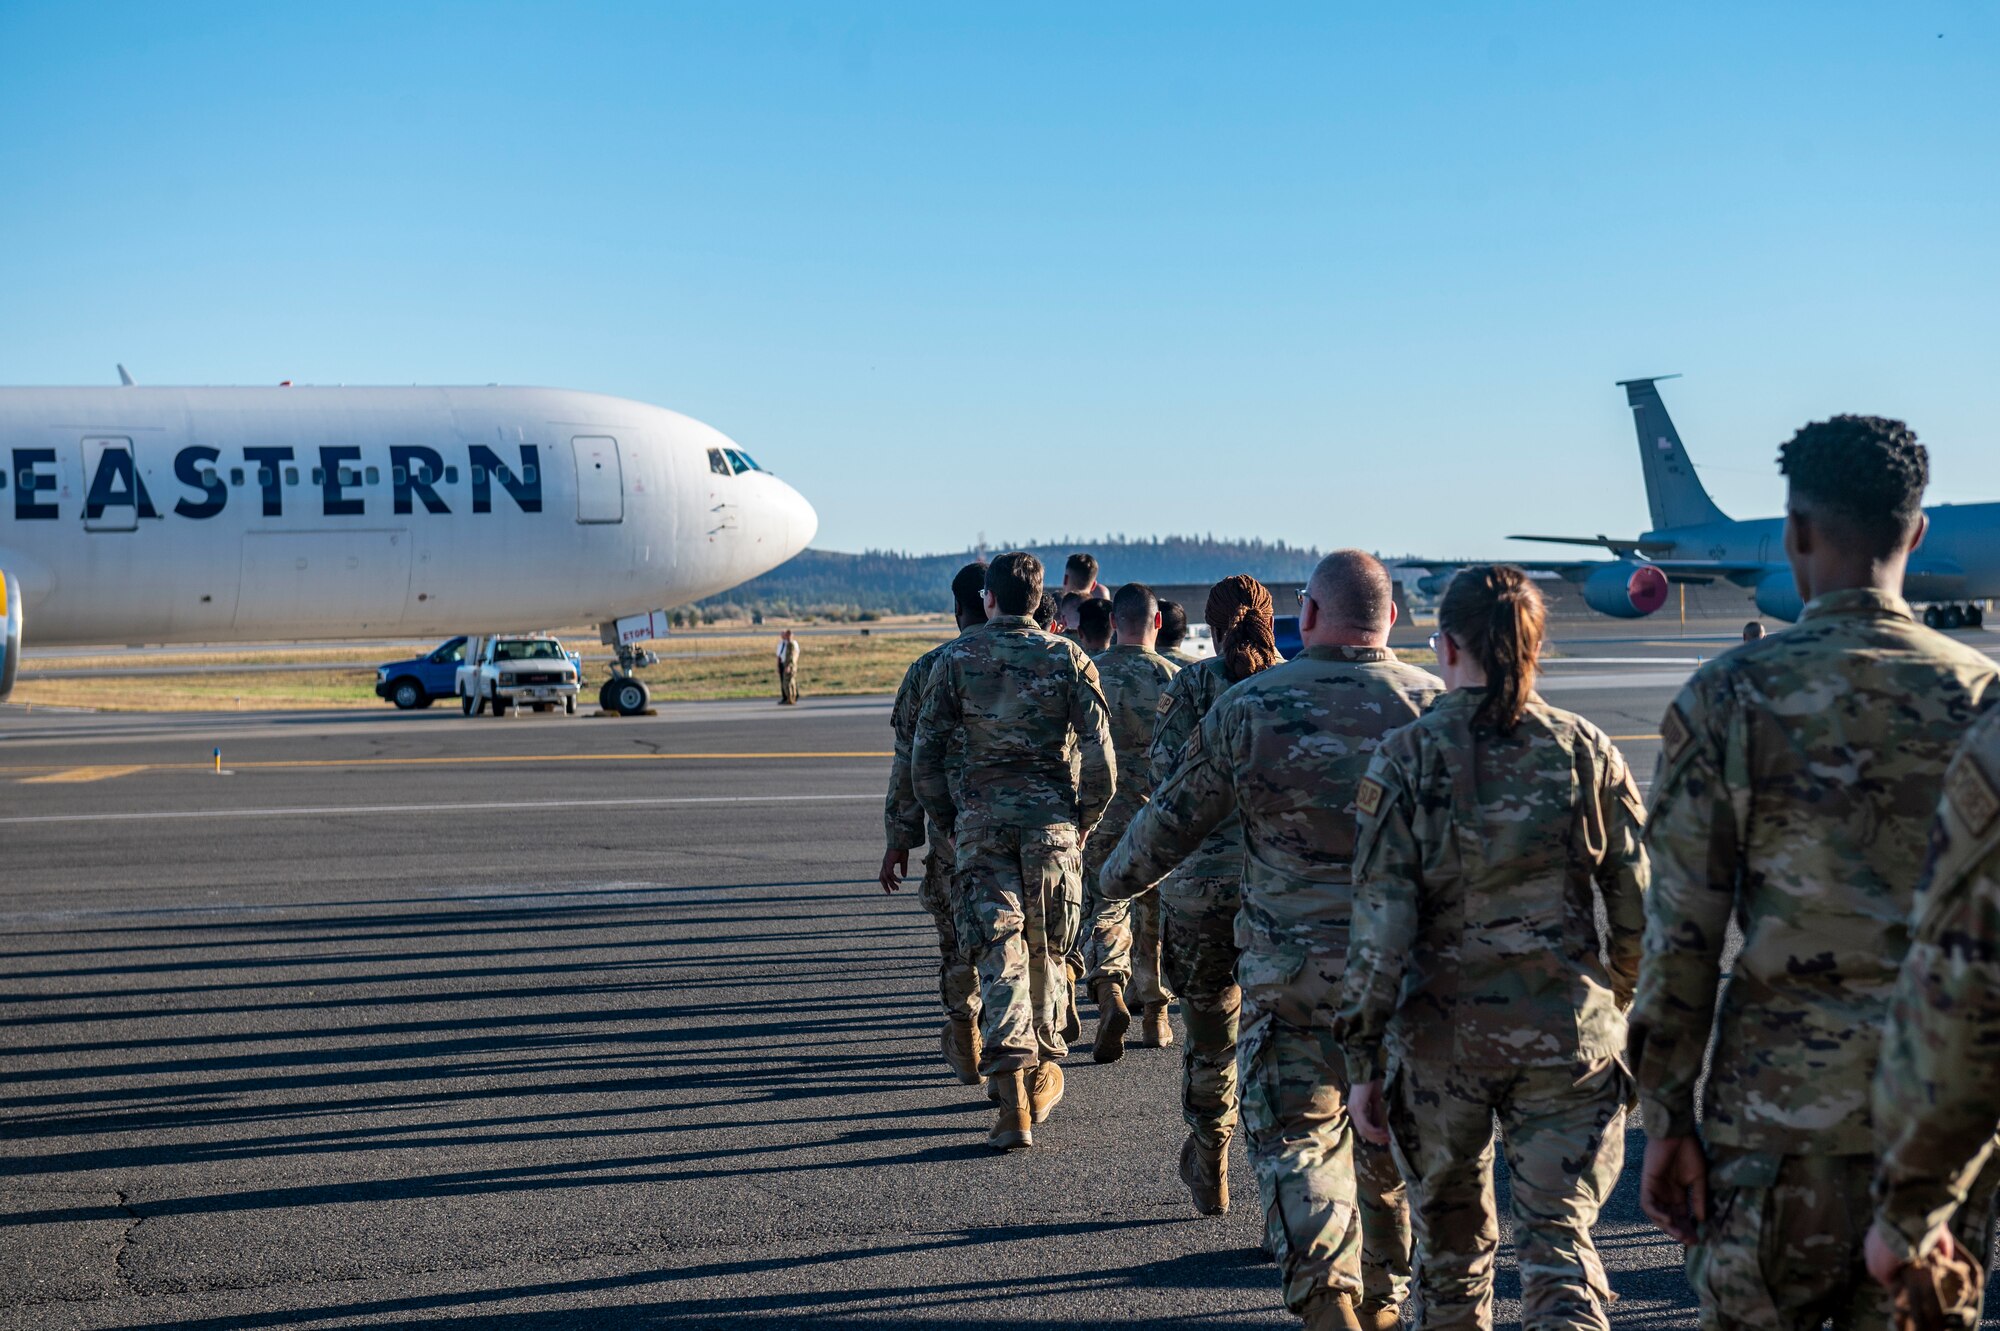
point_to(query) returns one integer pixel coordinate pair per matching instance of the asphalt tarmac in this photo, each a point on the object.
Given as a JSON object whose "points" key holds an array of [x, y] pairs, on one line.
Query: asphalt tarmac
{"points": [[544, 1022]]}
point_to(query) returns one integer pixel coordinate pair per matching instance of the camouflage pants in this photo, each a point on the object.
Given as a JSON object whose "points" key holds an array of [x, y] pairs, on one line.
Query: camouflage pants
{"points": [[1199, 957], [1022, 899], [958, 981], [1563, 1130], [1782, 1247], [1335, 1208], [1122, 938]]}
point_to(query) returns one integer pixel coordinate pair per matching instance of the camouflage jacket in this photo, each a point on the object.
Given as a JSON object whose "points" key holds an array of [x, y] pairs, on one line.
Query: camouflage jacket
{"points": [[1285, 749], [1478, 867], [1182, 708], [1011, 696], [902, 815], [1133, 679], [1937, 1087], [1797, 781]]}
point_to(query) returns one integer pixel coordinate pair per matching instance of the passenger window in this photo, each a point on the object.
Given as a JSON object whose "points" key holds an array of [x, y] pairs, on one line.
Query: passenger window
{"points": [[717, 463], [265, 476], [479, 478], [374, 475], [451, 475], [319, 475], [236, 475], [501, 474], [291, 476], [528, 475], [3, 480], [399, 475]]}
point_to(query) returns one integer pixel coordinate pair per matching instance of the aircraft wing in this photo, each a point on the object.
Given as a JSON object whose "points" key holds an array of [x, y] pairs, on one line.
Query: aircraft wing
{"points": [[1635, 545], [1694, 571]]}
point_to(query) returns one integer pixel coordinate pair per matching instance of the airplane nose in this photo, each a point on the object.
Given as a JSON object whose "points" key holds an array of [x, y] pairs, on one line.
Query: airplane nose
{"points": [[801, 521]]}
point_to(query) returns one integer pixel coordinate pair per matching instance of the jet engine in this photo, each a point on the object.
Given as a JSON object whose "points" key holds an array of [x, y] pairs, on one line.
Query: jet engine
{"points": [[1625, 590], [1778, 596], [1433, 584], [10, 636]]}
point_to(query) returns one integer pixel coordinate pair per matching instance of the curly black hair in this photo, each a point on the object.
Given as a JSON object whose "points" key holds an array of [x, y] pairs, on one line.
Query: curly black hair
{"points": [[1867, 470]]}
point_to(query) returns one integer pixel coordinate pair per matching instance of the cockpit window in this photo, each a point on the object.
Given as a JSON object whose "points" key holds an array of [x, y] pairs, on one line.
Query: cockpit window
{"points": [[747, 458], [718, 463]]}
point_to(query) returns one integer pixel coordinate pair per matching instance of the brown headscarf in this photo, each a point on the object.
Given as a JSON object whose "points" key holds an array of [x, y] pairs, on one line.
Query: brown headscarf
{"points": [[1239, 615]]}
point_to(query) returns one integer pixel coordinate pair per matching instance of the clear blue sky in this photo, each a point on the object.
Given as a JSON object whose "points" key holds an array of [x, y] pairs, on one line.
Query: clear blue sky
{"points": [[1336, 274]]}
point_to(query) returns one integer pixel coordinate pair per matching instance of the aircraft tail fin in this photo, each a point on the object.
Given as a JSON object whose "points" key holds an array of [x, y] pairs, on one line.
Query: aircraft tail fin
{"points": [[1673, 492]]}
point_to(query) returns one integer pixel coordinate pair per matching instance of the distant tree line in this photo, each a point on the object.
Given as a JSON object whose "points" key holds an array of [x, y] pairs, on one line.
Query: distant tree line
{"points": [[830, 585]]}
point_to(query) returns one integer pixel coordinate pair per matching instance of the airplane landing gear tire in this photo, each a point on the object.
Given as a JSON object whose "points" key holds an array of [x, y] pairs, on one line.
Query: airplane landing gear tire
{"points": [[1953, 617], [627, 697], [1975, 616], [1932, 619]]}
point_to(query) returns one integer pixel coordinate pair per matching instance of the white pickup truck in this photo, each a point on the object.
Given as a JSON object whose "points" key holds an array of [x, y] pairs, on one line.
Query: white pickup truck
{"points": [[526, 670]]}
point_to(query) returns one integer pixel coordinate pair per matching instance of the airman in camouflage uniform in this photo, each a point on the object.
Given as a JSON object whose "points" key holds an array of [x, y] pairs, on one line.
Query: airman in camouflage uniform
{"points": [[1009, 697], [1285, 750], [1200, 900], [1124, 950], [1475, 960], [1796, 778], [1937, 1085], [908, 828], [1797, 782]]}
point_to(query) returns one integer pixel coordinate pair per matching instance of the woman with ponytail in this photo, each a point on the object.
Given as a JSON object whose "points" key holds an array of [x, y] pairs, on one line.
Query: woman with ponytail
{"points": [[1200, 899], [1478, 976]]}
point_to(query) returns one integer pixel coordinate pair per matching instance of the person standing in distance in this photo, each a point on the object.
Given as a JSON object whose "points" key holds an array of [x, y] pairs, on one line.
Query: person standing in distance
{"points": [[1286, 750], [1093, 625], [903, 817], [1173, 633], [1012, 700], [788, 669], [1080, 577], [1490, 828], [1937, 1083], [1123, 955], [1795, 788], [1199, 900]]}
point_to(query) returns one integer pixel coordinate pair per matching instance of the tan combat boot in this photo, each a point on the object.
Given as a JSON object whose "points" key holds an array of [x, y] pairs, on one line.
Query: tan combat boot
{"points": [[1112, 1019], [1072, 1030], [1045, 1088], [960, 1044], [1329, 1311], [1205, 1170], [1376, 1316], [1011, 1130], [1156, 1030]]}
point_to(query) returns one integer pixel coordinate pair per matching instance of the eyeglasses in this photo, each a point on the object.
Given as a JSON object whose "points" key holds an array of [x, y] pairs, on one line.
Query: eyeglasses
{"points": [[1305, 595], [1434, 640]]}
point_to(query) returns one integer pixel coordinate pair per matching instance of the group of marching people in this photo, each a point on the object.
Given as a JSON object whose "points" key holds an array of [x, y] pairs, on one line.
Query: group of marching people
{"points": [[1395, 906]]}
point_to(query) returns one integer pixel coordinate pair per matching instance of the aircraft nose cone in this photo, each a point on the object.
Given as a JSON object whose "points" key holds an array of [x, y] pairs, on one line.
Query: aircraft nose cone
{"points": [[801, 522]]}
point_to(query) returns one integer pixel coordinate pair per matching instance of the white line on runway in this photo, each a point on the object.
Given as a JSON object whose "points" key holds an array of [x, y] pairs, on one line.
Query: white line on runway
{"points": [[334, 810]]}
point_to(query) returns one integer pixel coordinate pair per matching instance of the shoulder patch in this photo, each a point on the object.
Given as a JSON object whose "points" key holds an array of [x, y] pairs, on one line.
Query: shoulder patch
{"points": [[1368, 796], [1675, 733], [1164, 705], [1971, 794]]}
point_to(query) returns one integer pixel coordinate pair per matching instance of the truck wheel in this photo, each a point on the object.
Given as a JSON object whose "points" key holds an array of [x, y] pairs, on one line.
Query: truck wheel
{"points": [[465, 703], [629, 697], [497, 703], [408, 695], [569, 705]]}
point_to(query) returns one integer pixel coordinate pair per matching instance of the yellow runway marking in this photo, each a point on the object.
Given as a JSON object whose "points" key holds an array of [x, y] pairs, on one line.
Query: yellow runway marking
{"points": [[69, 775], [235, 765]]}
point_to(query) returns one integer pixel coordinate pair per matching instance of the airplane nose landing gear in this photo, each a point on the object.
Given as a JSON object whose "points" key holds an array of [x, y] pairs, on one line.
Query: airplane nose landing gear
{"points": [[622, 693]]}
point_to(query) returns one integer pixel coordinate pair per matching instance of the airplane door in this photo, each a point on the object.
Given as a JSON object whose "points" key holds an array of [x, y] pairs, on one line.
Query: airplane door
{"points": [[122, 515], [600, 481]]}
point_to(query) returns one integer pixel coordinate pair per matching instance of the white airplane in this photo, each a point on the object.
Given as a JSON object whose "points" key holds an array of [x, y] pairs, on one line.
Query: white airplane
{"points": [[167, 515]]}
